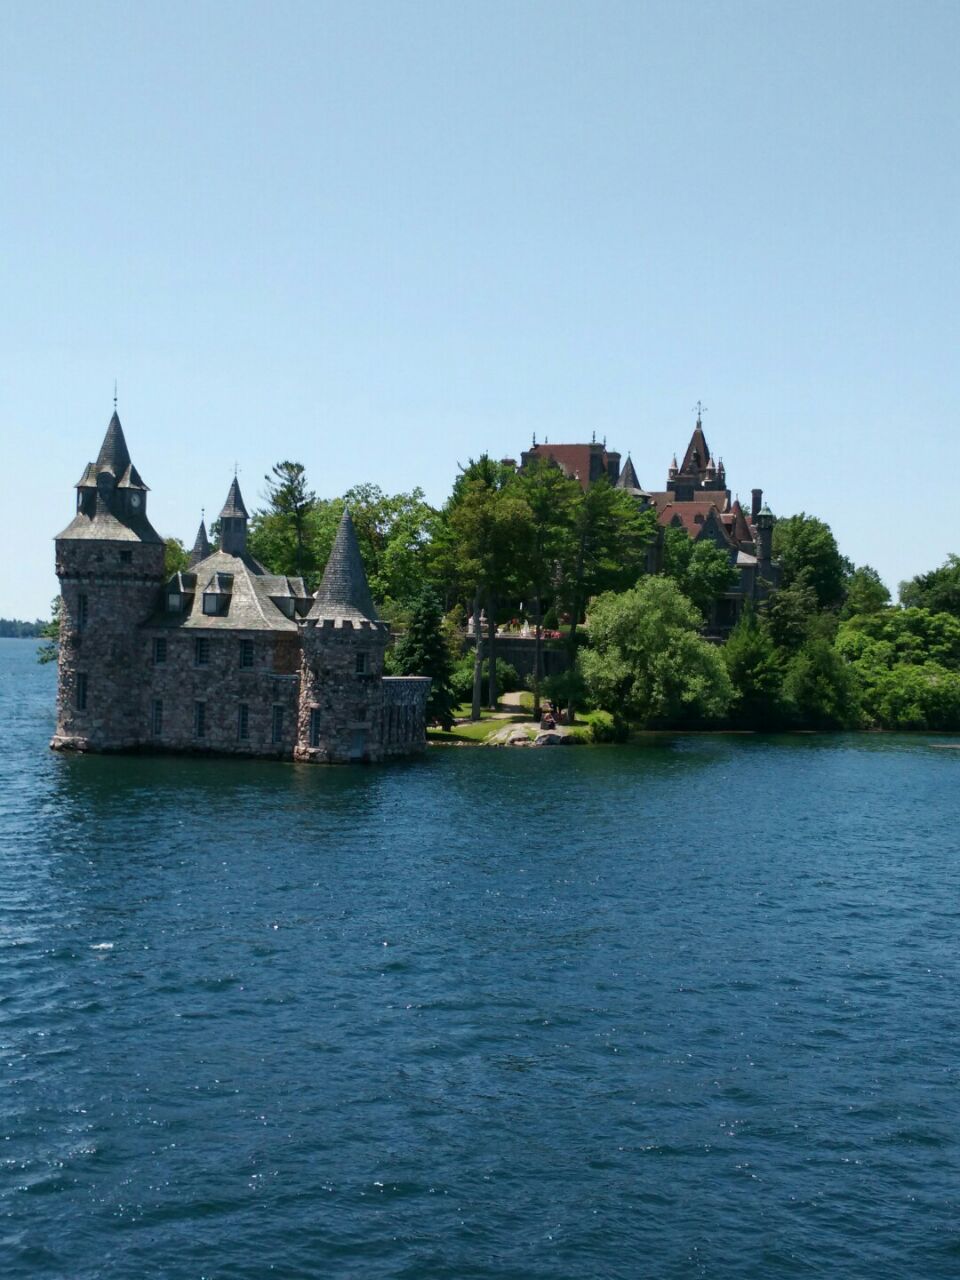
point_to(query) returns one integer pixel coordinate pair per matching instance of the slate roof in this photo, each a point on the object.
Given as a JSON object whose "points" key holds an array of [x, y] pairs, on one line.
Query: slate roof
{"points": [[628, 477], [572, 459], [114, 455], [344, 593], [248, 586], [104, 526], [234, 503], [201, 545], [698, 445]]}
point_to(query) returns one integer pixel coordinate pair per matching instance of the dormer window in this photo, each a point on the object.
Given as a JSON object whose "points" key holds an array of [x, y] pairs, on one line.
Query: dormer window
{"points": [[212, 602], [174, 601]]}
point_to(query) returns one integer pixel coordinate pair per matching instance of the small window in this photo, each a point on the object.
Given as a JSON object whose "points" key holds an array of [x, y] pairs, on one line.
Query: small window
{"points": [[361, 664], [201, 652], [81, 691], [173, 601], [243, 722], [211, 604], [83, 611], [278, 724], [159, 651], [126, 557], [200, 719], [315, 727], [246, 653], [157, 717]]}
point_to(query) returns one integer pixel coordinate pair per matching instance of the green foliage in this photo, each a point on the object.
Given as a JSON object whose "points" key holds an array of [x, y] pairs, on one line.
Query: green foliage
{"points": [[176, 558], [866, 592], [820, 689], [508, 679], [938, 591], [807, 550], [15, 629], [648, 663], [701, 570], [49, 651], [756, 672], [422, 651], [791, 614], [283, 535]]}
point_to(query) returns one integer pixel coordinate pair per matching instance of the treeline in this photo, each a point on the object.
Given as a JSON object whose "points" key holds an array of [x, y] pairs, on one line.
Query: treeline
{"points": [[14, 629], [828, 650]]}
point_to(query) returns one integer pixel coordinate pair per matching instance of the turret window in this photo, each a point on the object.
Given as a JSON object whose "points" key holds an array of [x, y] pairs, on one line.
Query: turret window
{"points": [[316, 727], [157, 720], [200, 719], [361, 664], [243, 722], [277, 724], [81, 691], [83, 611]]}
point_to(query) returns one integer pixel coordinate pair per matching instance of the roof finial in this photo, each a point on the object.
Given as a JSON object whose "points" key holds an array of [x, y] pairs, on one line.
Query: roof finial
{"points": [[534, 440], [593, 438], [114, 395], [701, 410]]}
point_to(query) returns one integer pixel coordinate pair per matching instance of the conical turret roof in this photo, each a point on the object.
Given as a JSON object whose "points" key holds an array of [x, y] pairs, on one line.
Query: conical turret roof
{"points": [[344, 592], [233, 506], [114, 455], [628, 476], [201, 545]]}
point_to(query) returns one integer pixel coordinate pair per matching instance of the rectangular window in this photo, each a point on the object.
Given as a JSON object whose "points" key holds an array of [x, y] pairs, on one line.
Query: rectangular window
{"points": [[201, 652], [159, 651], [83, 611], [278, 724], [157, 717], [246, 653], [315, 727], [200, 719], [211, 604], [126, 557], [243, 722], [81, 691], [361, 664], [173, 602]]}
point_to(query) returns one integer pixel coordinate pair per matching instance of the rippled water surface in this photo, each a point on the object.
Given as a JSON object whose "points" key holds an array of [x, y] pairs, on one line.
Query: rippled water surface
{"points": [[682, 1010]]}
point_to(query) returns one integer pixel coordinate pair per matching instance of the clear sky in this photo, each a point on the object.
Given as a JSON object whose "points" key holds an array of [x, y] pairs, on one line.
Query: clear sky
{"points": [[380, 238]]}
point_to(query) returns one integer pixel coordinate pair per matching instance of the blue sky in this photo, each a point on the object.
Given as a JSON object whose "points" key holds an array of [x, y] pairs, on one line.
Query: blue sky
{"points": [[381, 238]]}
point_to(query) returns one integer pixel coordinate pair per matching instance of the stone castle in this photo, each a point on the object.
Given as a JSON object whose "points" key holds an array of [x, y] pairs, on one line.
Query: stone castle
{"points": [[224, 657], [695, 499]]}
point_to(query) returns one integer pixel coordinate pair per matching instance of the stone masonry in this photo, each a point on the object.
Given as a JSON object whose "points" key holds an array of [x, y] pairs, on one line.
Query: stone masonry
{"points": [[224, 657]]}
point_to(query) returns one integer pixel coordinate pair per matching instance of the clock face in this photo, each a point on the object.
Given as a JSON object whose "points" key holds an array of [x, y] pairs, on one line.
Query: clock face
{"points": [[134, 500]]}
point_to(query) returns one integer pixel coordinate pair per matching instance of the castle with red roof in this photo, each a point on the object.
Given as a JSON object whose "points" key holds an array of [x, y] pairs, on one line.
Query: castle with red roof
{"points": [[695, 499]]}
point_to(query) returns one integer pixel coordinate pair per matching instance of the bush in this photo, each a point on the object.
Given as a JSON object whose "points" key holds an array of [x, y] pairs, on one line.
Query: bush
{"points": [[508, 681]]}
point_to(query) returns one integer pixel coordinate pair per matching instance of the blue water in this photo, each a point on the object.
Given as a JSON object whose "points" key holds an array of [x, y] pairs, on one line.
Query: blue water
{"points": [[675, 1011]]}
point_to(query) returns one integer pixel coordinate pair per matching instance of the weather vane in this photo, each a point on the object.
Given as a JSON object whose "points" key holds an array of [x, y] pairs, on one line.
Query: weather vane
{"points": [[701, 410], [114, 395]]}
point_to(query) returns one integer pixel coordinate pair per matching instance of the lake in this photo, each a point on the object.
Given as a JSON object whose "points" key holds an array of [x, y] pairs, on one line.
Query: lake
{"points": [[686, 1009]]}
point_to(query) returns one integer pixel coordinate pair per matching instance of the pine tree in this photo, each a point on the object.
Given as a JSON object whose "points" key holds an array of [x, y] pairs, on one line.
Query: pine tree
{"points": [[423, 651]]}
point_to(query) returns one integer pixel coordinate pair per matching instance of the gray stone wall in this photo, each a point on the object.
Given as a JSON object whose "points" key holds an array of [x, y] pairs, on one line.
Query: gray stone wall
{"points": [[404, 725], [223, 686], [340, 713], [119, 582]]}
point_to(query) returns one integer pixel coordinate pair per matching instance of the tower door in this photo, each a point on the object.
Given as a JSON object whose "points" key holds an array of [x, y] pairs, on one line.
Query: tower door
{"points": [[358, 744]]}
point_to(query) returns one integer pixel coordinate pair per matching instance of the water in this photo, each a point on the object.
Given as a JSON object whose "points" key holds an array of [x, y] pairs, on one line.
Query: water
{"points": [[686, 1010]]}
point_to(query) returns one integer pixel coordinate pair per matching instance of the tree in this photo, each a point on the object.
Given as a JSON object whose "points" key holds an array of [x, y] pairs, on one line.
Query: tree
{"points": [[423, 651], [821, 689], [290, 499], [647, 661], [938, 591], [176, 558], [791, 612], [552, 498], [756, 672], [865, 592], [49, 651], [701, 570], [805, 546]]}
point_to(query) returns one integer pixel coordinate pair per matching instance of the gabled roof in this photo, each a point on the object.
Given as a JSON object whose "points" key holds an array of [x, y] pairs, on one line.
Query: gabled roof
{"points": [[344, 592], [234, 504], [114, 455], [740, 530], [131, 479], [249, 589]]}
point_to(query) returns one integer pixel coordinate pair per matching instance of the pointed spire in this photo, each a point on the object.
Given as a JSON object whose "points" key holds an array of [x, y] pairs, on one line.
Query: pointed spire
{"points": [[233, 506], [114, 455], [201, 546], [628, 476], [344, 592]]}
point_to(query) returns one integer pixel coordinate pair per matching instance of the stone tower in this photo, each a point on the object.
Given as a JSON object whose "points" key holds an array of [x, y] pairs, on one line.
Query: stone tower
{"points": [[110, 566], [233, 522], [341, 691]]}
